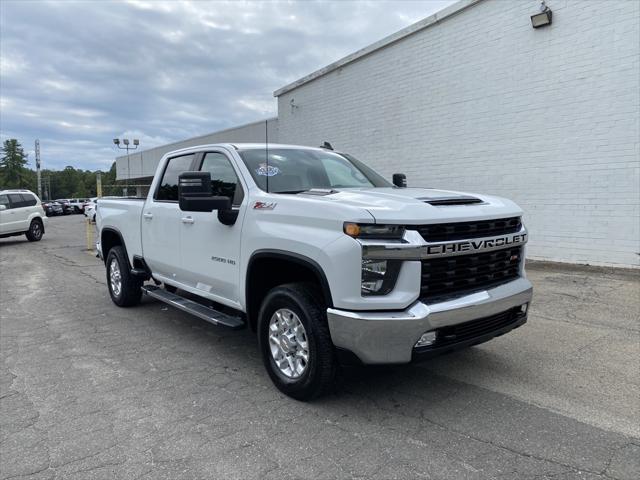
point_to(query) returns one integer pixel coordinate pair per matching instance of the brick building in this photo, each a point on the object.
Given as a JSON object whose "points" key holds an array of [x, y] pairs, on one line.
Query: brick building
{"points": [[473, 98]]}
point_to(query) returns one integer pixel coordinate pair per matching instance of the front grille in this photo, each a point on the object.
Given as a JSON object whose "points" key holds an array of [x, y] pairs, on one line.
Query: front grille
{"points": [[455, 276], [443, 232], [475, 328]]}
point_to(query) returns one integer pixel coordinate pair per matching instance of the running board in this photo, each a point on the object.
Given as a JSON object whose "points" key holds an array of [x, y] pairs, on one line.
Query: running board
{"points": [[194, 308]]}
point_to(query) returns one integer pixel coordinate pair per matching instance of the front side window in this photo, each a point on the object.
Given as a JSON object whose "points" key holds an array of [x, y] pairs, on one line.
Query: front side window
{"points": [[296, 170], [224, 181], [168, 188]]}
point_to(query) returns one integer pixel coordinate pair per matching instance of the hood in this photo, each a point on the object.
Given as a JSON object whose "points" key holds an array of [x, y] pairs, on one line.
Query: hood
{"points": [[421, 205]]}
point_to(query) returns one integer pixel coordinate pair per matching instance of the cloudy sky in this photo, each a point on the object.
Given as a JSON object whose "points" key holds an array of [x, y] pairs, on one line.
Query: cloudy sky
{"points": [[78, 74]]}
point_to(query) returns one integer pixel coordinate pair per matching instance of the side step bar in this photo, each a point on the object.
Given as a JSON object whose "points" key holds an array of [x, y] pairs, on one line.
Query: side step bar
{"points": [[194, 308]]}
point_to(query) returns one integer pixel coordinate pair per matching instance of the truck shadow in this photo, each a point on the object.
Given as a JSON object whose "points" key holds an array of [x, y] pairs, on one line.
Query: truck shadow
{"points": [[240, 347]]}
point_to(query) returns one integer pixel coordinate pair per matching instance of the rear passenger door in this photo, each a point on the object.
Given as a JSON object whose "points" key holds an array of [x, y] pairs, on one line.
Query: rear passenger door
{"points": [[160, 223], [211, 249]]}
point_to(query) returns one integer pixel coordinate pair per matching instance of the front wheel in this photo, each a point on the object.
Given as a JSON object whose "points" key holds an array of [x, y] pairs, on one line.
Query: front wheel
{"points": [[34, 234], [124, 288], [295, 342]]}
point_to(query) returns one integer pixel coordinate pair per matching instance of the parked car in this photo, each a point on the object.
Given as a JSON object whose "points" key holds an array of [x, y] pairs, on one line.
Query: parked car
{"points": [[321, 256], [21, 213], [67, 208], [52, 208], [89, 209], [78, 204]]}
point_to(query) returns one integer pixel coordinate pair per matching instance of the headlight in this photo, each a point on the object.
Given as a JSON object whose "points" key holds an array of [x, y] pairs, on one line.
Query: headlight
{"points": [[373, 231], [379, 276]]}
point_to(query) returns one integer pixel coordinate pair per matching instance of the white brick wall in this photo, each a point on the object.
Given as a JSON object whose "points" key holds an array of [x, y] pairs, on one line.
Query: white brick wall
{"points": [[482, 102]]}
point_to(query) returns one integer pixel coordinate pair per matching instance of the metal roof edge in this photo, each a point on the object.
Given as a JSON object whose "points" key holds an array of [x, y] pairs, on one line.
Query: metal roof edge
{"points": [[165, 145], [394, 37]]}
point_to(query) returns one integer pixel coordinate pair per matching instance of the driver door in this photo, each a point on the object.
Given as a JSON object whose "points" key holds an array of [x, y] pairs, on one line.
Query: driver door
{"points": [[211, 249]]}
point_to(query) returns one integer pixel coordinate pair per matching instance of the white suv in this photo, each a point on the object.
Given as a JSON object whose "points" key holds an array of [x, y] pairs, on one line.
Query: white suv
{"points": [[21, 212]]}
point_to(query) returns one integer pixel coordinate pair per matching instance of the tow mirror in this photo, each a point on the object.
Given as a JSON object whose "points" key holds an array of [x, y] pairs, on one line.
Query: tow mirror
{"points": [[400, 180], [194, 193]]}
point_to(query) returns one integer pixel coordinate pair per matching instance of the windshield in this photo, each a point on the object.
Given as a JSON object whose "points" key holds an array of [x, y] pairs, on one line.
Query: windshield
{"points": [[292, 170]]}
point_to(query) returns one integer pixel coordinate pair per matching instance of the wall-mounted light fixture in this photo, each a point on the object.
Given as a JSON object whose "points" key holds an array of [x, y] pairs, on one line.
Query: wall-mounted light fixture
{"points": [[543, 18]]}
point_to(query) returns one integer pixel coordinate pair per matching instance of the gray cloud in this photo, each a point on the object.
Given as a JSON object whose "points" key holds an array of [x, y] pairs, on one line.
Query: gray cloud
{"points": [[77, 74]]}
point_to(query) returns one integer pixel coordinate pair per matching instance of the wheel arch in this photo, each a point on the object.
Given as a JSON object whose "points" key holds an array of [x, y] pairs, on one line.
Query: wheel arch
{"points": [[111, 237], [291, 267]]}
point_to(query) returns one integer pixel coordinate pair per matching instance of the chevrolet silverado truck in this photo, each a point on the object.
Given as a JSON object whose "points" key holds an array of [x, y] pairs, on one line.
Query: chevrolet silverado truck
{"points": [[319, 255]]}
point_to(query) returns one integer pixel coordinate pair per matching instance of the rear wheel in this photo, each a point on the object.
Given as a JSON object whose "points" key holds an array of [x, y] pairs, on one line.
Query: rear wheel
{"points": [[36, 230], [295, 343], [124, 288]]}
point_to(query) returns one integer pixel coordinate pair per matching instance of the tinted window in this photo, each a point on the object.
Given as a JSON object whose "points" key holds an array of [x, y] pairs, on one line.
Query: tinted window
{"points": [[168, 189], [4, 200], [28, 200], [224, 181], [16, 200]]}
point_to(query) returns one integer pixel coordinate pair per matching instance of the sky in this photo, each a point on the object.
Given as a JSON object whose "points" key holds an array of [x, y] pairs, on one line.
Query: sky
{"points": [[78, 74]]}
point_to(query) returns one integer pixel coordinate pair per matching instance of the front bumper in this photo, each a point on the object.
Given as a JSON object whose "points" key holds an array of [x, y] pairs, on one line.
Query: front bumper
{"points": [[389, 337]]}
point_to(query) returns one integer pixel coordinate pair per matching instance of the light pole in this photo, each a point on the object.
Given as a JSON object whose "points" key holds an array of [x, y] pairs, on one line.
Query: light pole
{"points": [[125, 142]]}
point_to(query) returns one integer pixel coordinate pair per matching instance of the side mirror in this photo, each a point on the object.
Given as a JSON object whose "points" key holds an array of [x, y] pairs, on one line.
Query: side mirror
{"points": [[3, 207], [194, 193], [400, 180]]}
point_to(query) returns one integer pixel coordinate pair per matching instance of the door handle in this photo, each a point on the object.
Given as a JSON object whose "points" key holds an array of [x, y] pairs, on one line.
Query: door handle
{"points": [[187, 219], [148, 215]]}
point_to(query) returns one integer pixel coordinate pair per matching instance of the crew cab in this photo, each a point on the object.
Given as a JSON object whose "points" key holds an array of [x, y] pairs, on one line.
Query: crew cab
{"points": [[322, 257]]}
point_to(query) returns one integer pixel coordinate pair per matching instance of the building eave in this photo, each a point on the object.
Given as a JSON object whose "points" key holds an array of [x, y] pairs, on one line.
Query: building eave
{"points": [[385, 42]]}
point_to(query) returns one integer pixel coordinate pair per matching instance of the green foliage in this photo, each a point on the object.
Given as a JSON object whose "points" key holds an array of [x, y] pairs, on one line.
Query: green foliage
{"points": [[67, 183], [13, 165]]}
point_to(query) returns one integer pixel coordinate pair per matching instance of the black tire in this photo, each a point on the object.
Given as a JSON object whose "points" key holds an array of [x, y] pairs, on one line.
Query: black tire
{"points": [[130, 287], [318, 377], [36, 230]]}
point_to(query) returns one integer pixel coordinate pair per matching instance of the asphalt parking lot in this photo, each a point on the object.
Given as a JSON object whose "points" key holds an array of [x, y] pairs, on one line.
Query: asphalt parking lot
{"points": [[89, 390]]}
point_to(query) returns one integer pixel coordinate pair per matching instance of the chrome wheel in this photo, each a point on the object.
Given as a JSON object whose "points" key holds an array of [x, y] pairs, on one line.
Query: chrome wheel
{"points": [[115, 278], [288, 343]]}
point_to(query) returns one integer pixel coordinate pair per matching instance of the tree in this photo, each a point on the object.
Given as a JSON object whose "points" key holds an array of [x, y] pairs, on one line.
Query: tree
{"points": [[12, 164]]}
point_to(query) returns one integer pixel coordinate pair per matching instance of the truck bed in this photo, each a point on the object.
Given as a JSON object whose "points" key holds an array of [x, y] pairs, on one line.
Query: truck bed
{"points": [[122, 214]]}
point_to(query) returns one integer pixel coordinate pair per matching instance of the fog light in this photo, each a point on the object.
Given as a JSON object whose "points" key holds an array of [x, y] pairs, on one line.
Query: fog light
{"points": [[524, 308], [427, 338]]}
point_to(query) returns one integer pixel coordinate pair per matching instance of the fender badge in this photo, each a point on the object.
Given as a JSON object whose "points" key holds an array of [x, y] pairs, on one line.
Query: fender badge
{"points": [[264, 205]]}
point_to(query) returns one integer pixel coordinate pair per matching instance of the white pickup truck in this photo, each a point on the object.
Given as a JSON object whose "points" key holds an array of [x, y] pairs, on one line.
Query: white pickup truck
{"points": [[322, 257]]}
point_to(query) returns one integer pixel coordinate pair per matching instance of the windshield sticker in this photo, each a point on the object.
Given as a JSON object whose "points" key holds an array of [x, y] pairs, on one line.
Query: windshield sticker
{"points": [[267, 170]]}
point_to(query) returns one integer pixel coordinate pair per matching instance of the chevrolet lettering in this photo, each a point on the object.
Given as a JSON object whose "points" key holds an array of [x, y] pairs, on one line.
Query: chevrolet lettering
{"points": [[349, 268]]}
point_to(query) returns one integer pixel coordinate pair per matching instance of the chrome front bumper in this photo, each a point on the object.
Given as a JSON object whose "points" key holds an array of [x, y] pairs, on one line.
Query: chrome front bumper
{"points": [[389, 337]]}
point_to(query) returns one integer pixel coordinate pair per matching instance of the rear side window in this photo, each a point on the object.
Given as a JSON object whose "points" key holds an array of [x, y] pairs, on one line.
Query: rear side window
{"points": [[224, 181], [28, 200], [168, 188], [4, 200]]}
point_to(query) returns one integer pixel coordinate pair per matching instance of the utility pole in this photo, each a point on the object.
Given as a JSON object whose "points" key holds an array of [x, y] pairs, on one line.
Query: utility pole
{"points": [[99, 184], [38, 168]]}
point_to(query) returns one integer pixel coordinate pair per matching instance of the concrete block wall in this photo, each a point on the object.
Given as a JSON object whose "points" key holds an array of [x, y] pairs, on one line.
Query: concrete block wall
{"points": [[480, 101]]}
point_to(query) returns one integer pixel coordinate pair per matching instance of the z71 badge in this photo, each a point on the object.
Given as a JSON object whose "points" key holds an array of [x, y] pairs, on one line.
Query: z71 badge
{"points": [[264, 205]]}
